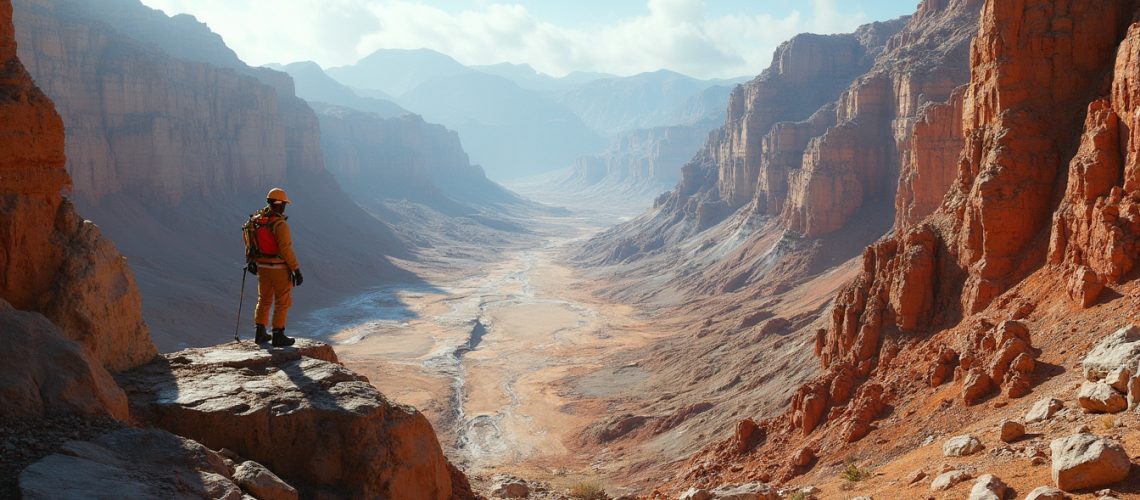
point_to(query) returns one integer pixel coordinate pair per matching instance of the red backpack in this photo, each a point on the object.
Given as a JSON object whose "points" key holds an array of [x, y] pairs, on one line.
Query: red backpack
{"points": [[258, 234]]}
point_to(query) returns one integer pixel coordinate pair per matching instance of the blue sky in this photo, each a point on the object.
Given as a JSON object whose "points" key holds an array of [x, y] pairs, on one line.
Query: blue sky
{"points": [[702, 38]]}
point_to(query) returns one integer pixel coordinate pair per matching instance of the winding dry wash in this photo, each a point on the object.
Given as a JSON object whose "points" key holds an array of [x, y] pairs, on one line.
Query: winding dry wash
{"points": [[491, 350]]}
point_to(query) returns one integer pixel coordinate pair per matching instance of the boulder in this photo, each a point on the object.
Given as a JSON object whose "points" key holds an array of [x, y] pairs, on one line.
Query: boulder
{"points": [[749, 491], [262, 483], [47, 373], [1046, 493], [1120, 349], [1011, 431], [1134, 390], [948, 479], [511, 488], [748, 434], [976, 386], [1118, 378], [960, 446], [130, 463], [318, 425], [1099, 397], [695, 494], [1085, 461], [1085, 286], [1043, 410], [988, 487], [804, 457]]}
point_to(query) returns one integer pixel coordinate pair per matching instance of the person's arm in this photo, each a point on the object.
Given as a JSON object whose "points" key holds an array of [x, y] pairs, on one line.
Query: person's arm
{"points": [[285, 245]]}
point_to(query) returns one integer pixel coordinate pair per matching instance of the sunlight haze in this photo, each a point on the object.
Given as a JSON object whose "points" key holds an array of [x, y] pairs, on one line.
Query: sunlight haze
{"points": [[704, 39]]}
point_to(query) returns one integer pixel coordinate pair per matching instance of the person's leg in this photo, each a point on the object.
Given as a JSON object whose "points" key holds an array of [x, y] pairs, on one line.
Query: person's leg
{"points": [[282, 300], [264, 303]]}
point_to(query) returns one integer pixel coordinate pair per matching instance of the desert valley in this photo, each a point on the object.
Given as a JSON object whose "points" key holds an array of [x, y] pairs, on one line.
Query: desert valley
{"points": [[896, 262]]}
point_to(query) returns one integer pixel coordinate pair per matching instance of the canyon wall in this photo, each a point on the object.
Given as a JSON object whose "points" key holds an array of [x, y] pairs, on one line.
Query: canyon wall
{"points": [[1015, 229], [651, 157], [172, 141], [988, 232], [1096, 229], [51, 260], [377, 158]]}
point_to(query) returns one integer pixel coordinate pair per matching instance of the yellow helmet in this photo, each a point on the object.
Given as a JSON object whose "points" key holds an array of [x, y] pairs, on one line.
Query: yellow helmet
{"points": [[277, 194]]}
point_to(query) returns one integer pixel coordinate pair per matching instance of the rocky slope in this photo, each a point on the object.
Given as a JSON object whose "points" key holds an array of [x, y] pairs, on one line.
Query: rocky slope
{"points": [[768, 220], [1021, 271], [172, 141]]}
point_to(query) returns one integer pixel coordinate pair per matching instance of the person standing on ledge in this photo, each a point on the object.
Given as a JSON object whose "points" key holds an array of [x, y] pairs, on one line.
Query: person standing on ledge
{"points": [[270, 257]]}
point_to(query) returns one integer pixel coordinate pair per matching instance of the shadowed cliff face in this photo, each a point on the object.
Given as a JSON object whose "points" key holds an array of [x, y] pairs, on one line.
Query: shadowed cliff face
{"points": [[51, 260], [170, 155]]}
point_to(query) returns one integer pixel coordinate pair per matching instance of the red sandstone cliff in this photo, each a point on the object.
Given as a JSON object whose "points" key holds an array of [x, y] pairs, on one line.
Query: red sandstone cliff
{"points": [[962, 302], [769, 219], [51, 260]]}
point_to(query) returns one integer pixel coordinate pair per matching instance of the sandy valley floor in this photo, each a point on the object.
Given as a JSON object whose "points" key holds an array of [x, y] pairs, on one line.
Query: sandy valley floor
{"points": [[488, 349]]}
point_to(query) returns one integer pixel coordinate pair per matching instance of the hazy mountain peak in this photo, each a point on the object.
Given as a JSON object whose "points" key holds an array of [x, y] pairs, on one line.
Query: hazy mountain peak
{"points": [[396, 71]]}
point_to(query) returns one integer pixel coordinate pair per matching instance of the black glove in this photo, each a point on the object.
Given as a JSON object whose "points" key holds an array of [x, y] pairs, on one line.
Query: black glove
{"points": [[297, 278], [251, 268]]}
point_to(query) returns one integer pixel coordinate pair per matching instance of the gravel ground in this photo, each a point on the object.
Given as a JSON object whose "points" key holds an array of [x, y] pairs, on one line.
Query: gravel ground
{"points": [[23, 442]]}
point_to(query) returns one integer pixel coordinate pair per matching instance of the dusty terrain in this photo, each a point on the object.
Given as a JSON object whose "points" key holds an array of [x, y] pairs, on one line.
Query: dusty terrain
{"points": [[506, 350]]}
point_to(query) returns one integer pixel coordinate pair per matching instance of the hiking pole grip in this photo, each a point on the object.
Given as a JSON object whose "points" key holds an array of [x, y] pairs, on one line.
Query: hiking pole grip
{"points": [[241, 299]]}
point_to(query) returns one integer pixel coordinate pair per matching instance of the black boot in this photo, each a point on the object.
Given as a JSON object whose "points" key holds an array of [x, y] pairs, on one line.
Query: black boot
{"points": [[260, 336], [280, 340]]}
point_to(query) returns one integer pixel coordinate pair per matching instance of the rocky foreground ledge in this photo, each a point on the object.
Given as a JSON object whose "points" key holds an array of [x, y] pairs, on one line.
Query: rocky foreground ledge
{"points": [[319, 426]]}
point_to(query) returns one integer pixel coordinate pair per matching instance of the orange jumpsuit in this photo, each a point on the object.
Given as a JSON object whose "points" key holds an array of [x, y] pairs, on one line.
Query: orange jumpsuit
{"points": [[274, 278]]}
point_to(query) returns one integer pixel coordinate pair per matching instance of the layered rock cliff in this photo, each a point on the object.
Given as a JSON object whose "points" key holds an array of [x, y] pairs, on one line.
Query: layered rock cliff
{"points": [[171, 137], [982, 238], [769, 219], [53, 261], [646, 157], [401, 158], [978, 294]]}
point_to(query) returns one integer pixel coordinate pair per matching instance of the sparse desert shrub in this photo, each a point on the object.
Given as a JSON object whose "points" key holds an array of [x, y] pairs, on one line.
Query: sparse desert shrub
{"points": [[799, 495], [1108, 422], [853, 474], [588, 491]]}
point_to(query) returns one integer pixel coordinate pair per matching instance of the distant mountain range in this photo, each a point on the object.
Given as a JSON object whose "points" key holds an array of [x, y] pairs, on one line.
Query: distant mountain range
{"points": [[512, 119]]}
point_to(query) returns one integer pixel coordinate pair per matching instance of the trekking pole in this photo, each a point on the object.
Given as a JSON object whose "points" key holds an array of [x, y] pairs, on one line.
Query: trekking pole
{"points": [[241, 299]]}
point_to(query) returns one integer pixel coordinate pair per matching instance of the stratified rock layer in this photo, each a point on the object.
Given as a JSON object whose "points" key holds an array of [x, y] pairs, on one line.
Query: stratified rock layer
{"points": [[1097, 228], [51, 260], [316, 424], [979, 241]]}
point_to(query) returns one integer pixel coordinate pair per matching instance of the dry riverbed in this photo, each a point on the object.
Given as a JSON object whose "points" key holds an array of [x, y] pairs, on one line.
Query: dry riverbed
{"points": [[491, 352]]}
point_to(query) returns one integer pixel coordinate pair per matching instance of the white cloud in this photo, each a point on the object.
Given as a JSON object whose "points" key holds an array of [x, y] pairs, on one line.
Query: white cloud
{"points": [[673, 34]]}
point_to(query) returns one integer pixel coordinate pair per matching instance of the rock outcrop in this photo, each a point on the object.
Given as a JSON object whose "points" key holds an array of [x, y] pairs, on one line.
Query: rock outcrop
{"points": [[47, 373], [51, 260], [980, 239], [319, 426], [135, 463], [1097, 227]]}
